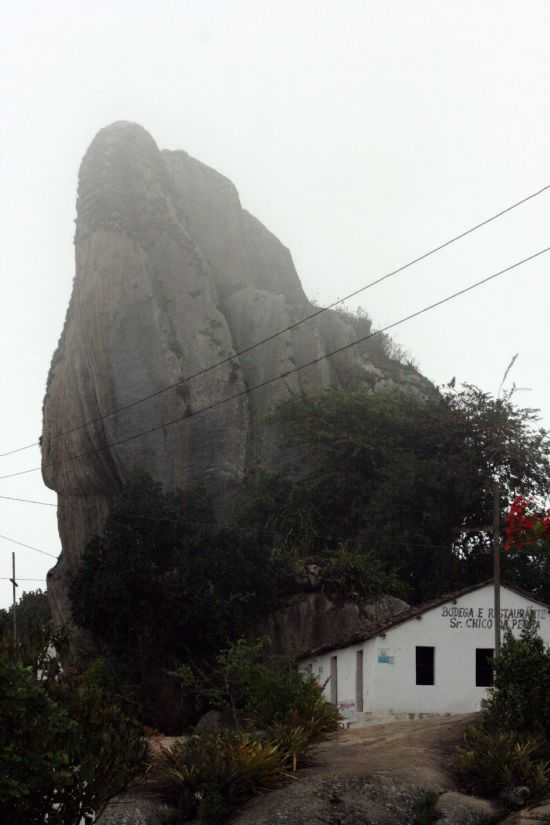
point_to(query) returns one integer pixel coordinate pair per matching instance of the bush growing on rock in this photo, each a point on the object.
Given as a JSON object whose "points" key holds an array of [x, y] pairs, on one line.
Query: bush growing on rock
{"points": [[66, 746], [491, 762], [213, 772], [406, 476], [160, 584], [261, 691], [277, 714]]}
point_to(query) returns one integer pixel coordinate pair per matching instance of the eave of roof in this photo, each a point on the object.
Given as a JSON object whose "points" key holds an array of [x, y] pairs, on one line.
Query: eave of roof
{"points": [[416, 613]]}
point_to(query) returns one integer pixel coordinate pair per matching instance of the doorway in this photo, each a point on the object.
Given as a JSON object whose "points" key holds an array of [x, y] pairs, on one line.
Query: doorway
{"points": [[359, 682]]}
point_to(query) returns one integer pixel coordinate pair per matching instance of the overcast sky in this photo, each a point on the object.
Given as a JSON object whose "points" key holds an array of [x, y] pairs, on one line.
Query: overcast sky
{"points": [[360, 133]]}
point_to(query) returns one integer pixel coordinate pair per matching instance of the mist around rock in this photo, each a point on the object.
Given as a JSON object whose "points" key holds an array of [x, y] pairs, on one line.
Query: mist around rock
{"points": [[173, 276]]}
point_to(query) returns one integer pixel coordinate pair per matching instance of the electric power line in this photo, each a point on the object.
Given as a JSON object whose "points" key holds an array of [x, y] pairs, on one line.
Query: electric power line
{"points": [[27, 546], [217, 527], [248, 390], [7, 579], [311, 316], [28, 501]]}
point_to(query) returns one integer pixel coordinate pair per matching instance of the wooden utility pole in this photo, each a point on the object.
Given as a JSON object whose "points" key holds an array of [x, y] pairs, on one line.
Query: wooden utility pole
{"points": [[496, 503], [14, 585], [496, 562]]}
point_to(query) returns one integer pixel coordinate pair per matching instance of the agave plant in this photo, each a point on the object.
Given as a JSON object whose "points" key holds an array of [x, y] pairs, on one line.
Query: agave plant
{"points": [[294, 741], [491, 761], [226, 767]]}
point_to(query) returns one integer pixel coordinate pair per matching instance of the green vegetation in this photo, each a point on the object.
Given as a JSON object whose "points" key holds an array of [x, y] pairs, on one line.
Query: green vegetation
{"points": [[34, 631], [510, 746], [160, 585], [397, 499], [277, 716], [520, 700], [212, 773], [381, 349], [424, 809], [409, 479], [66, 745], [260, 691], [491, 762]]}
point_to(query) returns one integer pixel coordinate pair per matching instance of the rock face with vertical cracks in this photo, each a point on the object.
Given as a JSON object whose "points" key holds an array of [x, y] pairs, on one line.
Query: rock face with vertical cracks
{"points": [[173, 276]]}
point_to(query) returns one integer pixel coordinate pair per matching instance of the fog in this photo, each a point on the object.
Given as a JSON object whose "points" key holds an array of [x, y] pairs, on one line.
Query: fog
{"points": [[360, 133]]}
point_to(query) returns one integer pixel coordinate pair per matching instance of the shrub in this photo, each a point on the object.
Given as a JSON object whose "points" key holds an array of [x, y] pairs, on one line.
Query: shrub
{"points": [[294, 743], [520, 698], [510, 746], [277, 693], [65, 747], [160, 584], [34, 632], [490, 762], [351, 572], [213, 772], [263, 691]]}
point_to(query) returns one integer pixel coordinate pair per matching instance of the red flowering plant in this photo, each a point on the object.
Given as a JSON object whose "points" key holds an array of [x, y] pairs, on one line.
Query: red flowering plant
{"points": [[526, 526]]}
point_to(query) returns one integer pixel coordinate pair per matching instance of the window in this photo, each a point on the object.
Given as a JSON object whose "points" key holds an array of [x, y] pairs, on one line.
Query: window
{"points": [[484, 667], [425, 665], [334, 680]]}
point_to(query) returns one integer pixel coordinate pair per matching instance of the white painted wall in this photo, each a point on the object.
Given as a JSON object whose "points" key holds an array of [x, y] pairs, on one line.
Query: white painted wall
{"points": [[455, 629]]}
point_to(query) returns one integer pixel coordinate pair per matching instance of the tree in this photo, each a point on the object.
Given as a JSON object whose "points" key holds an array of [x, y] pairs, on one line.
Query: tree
{"points": [[66, 746], [526, 556], [406, 477], [161, 584], [34, 629]]}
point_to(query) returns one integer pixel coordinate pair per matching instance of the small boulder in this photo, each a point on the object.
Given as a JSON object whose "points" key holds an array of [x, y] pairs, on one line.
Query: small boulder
{"points": [[516, 796], [215, 720], [131, 808], [212, 720], [458, 809]]}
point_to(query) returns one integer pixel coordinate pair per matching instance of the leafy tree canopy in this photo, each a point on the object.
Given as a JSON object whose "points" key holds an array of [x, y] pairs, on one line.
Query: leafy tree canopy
{"points": [[161, 584], [34, 631], [66, 745], [407, 478]]}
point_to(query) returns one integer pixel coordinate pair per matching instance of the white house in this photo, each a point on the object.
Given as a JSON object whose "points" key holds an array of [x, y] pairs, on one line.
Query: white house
{"points": [[432, 659]]}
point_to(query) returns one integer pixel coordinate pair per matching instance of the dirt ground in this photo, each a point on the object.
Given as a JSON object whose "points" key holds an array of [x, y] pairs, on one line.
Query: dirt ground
{"points": [[363, 776], [372, 776], [416, 751]]}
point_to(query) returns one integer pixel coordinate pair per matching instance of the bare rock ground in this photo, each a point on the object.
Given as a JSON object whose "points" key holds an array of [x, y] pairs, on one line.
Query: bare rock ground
{"points": [[377, 775], [382, 774]]}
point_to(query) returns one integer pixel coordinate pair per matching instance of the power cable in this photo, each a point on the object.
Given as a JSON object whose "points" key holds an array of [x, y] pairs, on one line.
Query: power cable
{"points": [[28, 546], [269, 381], [7, 579], [289, 328], [28, 501], [217, 528]]}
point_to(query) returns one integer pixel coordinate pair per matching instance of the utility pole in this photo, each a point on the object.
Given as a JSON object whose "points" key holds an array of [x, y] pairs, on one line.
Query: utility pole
{"points": [[496, 562], [14, 585], [496, 504]]}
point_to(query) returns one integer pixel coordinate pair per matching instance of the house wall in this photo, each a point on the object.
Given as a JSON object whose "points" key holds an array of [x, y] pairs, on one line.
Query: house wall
{"points": [[455, 629]]}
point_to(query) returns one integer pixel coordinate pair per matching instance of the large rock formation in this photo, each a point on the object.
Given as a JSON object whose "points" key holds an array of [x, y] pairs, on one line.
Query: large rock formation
{"points": [[172, 277]]}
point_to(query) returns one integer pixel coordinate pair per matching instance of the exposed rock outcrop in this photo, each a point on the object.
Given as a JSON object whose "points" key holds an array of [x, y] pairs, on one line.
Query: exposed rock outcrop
{"points": [[312, 620], [173, 276], [396, 773]]}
